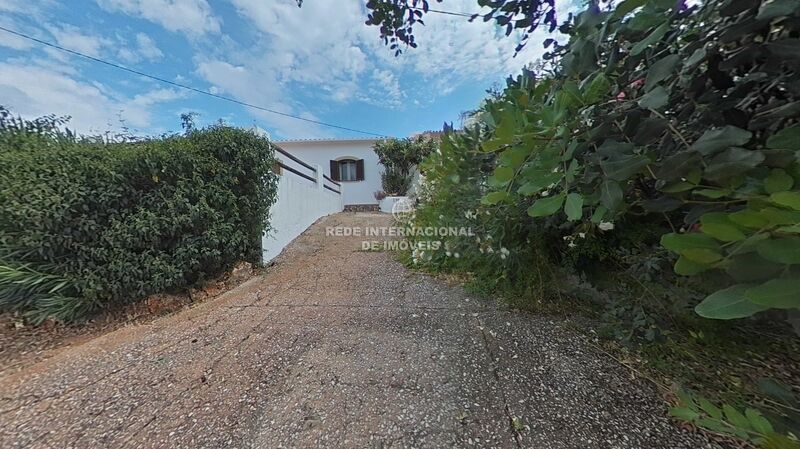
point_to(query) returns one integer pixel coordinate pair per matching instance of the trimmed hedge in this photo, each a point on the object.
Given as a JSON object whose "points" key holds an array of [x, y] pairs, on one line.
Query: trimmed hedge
{"points": [[86, 225]]}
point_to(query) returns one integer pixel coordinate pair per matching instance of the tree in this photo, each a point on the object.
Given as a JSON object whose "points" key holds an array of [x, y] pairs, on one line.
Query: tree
{"points": [[396, 18], [399, 157], [187, 121]]}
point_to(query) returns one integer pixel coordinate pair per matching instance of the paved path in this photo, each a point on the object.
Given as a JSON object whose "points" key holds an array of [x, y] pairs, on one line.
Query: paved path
{"points": [[336, 347]]}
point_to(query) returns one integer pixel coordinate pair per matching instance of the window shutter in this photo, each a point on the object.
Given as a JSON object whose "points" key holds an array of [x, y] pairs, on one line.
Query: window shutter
{"points": [[335, 170], [360, 170]]}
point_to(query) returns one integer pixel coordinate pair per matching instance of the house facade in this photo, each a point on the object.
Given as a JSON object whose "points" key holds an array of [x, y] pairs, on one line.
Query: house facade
{"points": [[351, 162]]}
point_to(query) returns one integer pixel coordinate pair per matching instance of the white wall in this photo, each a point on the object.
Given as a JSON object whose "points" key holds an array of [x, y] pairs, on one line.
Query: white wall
{"points": [[323, 151], [300, 203]]}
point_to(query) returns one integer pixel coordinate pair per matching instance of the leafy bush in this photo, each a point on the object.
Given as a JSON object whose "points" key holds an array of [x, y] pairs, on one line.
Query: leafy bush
{"points": [[399, 157], [87, 225], [687, 117], [395, 182], [654, 172]]}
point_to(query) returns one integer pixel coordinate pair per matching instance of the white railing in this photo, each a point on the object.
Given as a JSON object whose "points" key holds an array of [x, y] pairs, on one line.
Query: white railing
{"points": [[305, 194]]}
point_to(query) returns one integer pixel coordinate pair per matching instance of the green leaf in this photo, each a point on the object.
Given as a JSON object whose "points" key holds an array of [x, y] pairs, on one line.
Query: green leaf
{"points": [[655, 99], [660, 70], [777, 216], [784, 250], [702, 255], [678, 165], [750, 267], [723, 232], [749, 218], [698, 56], [735, 417], [681, 242], [793, 229], [776, 390], [627, 6], [514, 157], [776, 294], [758, 422], [684, 413], [712, 193], [788, 199], [599, 214], [728, 304], [776, 8], [574, 206], [687, 267], [718, 139], [503, 174], [623, 167], [732, 162], [610, 194], [787, 139], [710, 409], [651, 39], [677, 187], [597, 89], [495, 197], [778, 181], [713, 425], [546, 206]]}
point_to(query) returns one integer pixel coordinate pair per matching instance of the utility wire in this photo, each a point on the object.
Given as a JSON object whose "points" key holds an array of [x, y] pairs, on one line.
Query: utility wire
{"points": [[183, 86], [450, 13]]}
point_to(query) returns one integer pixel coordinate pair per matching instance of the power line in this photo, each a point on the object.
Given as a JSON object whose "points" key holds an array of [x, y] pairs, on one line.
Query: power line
{"points": [[450, 13], [183, 86]]}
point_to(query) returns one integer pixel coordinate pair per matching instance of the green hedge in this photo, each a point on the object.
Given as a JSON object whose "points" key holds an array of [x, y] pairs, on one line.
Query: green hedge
{"points": [[86, 225]]}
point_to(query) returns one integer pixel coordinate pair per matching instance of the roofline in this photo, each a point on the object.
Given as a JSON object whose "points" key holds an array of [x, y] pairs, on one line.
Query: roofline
{"points": [[350, 140]]}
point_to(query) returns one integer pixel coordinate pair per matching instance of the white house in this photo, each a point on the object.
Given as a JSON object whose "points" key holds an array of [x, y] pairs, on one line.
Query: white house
{"points": [[350, 162]]}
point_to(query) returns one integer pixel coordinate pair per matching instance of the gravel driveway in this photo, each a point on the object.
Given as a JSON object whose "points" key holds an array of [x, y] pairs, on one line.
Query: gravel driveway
{"points": [[336, 347]]}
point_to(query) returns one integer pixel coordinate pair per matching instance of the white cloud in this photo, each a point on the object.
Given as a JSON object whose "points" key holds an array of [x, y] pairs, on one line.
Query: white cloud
{"points": [[261, 88], [321, 43], [389, 85], [148, 48], [144, 49], [32, 91], [14, 42], [9, 40], [325, 45], [12, 5], [72, 38], [193, 17]]}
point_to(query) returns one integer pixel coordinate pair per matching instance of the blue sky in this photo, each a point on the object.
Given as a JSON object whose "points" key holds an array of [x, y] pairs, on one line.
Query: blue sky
{"points": [[319, 61]]}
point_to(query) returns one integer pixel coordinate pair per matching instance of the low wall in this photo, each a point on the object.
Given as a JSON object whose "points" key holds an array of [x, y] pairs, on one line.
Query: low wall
{"points": [[300, 203]]}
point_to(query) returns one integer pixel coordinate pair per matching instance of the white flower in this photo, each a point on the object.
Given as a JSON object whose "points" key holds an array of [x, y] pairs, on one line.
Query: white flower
{"points": [[441, 217], [545, 193], [448, 253], [572, 245], [481, 250], [606, 226], [456, 255], [478, 239], [582, 235], [503, 256], [490, 250], [504, 251]]}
